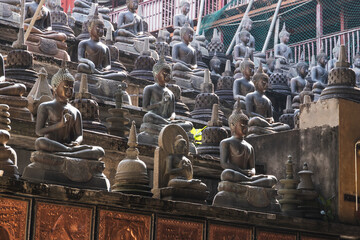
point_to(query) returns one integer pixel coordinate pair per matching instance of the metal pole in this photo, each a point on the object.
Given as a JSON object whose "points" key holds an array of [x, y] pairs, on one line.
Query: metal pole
{"points": [[200, 17], [276, 34], [271, 26], [28, 30], [239, 28]]}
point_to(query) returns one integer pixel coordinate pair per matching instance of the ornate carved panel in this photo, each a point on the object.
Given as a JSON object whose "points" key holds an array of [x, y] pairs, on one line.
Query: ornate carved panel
{"points": [[222, 232], [170, 229], [13, 219], [119, 225], [61, 222], [265, 235]]}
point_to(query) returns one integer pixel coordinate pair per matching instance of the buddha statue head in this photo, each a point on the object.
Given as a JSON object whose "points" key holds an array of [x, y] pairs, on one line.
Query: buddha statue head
{"points": [[238, 121], [185, 7], [162, 71], [96, 25], [215, 64], [302, 69], [187, 33], [261, 80], [322, 58], [132, 5], [247, 67], [247, 23], [284, 35], [62, 83], [244, 36], [180, 145]]}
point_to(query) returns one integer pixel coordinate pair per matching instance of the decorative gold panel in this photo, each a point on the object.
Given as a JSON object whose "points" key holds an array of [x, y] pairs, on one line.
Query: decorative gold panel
{"points": [[61, 222], [265, 235], [119, 225], [222, 232], [13, 219], [169, 229]]}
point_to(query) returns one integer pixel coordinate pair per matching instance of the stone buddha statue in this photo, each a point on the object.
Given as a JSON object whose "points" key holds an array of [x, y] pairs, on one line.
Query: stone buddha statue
{"points": [[356, 68], [335, 51], [247, 25], [298, 83], [95, 60], [282, 50], [180, 20], [159, 101], [244, 85], [242, 48], [319, 75], [185, 69], [239, 183], [130, 24], [42, 39], [59, 157], [173, 171], [259, 107], [215, 65]]}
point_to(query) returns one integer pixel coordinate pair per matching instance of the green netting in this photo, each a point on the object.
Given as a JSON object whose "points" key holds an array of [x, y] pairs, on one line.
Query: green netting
{"points": [[300, 19]]}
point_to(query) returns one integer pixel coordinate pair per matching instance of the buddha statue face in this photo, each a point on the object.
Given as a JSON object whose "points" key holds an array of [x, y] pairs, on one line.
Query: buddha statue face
{"points": [[302, 69], [241, 128], [215, 65], [247, 69], [163, 77], [185, 8], [132, 5], [97, 29], [322, 60], [245, 37], [188, 36], [247, 25], [64, 90], [180, 145], [261, 83], [285, 38]]}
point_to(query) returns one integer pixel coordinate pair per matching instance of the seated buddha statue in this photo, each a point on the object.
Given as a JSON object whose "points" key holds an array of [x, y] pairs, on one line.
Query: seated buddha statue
{"points": [[244, 85], [93, 55], [159, 101], [95, 61], [247, 25], [42, 39], [319, 75], [298, 83], [259, 107], [130, 24], [282, 50], [185, 69], [240, 186], [242, 47], [173, 170], [59, 157], [180, 20]]}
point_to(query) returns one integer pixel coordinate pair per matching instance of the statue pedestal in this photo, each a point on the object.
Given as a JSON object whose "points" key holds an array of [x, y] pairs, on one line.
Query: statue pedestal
{"points": [[119, 123], [18, 107], [180, 194], [237, 195], [72, 172]]}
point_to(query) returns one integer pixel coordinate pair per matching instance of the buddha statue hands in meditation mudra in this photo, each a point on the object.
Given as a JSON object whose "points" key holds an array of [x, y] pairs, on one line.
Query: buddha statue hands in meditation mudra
{"points": [[93, 55], [60, 158], [240, 187]]}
